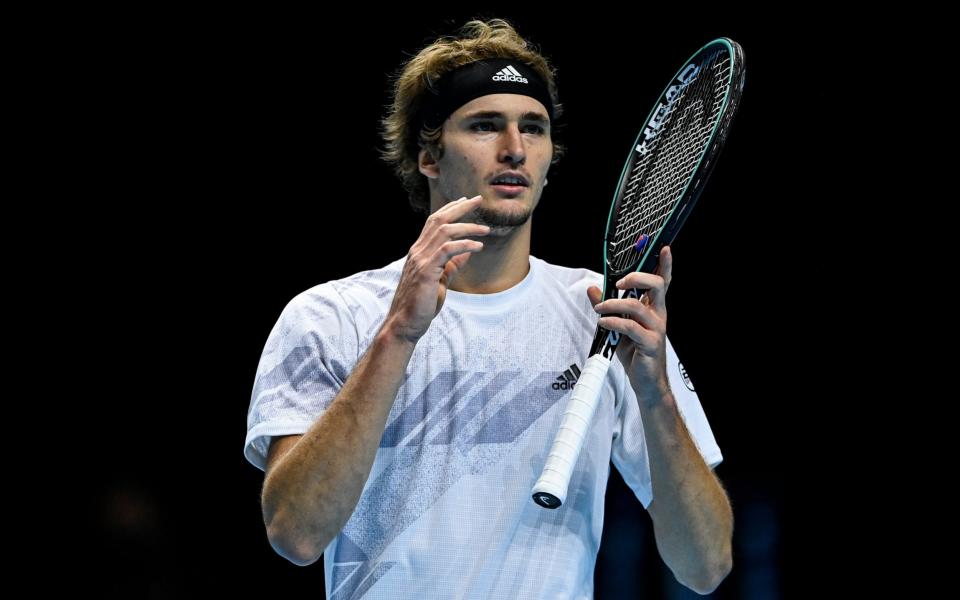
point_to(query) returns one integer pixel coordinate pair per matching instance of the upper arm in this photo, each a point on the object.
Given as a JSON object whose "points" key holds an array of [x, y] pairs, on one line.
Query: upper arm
{"points": [[279, 446]]}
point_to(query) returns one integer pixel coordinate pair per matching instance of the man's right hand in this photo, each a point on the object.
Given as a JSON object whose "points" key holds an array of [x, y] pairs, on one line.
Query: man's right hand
{"points": [[432, 263]]}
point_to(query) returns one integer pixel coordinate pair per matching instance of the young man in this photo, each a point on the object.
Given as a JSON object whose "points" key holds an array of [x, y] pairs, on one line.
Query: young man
{"points": [[403, 414]]}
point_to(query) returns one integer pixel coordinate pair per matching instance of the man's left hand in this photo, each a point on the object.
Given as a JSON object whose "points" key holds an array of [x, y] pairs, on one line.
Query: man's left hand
{"points": [[643, 325]]}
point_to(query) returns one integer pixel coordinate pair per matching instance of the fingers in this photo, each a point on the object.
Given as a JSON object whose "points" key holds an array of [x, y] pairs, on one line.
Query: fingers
{"points": [[445, 221], [594, 295], [626, 315], [442, 225], [452, 211], [665, 268], [630, 328], [453, 267], [455, 231], [656, 285], [658, 294], [443, 237], [641, 281], [450, 238], [440, 252], [631, 309], [453, 248]]}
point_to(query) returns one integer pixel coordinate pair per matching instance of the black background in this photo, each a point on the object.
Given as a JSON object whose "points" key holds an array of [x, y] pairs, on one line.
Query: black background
{"points": [[232, 162]]}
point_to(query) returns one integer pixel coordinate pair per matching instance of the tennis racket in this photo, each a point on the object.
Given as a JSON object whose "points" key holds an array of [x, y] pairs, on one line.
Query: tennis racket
{"points": [[665, 172]]}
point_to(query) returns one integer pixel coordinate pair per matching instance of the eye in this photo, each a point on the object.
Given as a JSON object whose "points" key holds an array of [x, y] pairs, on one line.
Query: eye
{"points": [[482, 126], [535, 129]]}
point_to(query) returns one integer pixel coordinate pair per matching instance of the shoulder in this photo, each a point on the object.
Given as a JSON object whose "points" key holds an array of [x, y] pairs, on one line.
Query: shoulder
{"points": [[341, 301], [360, 288], [570, 280], [566, 275]]}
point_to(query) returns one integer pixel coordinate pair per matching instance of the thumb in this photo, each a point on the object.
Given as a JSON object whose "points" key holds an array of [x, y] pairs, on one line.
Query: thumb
{"points": [[594, 295], [450, 271], [453, 267]]}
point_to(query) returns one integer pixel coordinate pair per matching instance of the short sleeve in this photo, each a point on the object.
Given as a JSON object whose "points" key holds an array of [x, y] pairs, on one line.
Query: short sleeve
{"points": [[629, 453], [306, 359]]}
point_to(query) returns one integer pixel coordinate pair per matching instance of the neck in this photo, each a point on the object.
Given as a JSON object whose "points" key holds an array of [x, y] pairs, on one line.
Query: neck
{"points": [[502, 264]]}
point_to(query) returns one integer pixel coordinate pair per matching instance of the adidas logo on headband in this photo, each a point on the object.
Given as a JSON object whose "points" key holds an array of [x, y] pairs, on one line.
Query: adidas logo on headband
{"points": [[509, 74], [480, 78]]}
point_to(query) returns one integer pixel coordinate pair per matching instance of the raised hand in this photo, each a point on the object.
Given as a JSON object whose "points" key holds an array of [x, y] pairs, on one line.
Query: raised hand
{"points": [[434, 260]]}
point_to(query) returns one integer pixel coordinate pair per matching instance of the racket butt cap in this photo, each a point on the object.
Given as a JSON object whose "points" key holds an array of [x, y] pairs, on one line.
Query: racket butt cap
{"points": [[546, 500]]}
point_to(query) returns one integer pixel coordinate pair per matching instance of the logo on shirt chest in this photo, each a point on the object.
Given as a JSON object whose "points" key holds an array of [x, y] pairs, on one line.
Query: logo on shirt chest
{"points": [[568, 379]]}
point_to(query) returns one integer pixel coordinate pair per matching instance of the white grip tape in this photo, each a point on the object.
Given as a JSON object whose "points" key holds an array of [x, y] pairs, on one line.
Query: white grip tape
{"points": [[573, 429]]}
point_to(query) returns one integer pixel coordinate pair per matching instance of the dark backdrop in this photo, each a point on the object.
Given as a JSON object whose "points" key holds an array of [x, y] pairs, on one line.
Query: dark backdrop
{"points": [[236, 156]]}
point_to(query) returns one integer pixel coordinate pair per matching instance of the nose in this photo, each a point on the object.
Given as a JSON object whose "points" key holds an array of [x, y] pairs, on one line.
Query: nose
{"points": [[512, 149]]}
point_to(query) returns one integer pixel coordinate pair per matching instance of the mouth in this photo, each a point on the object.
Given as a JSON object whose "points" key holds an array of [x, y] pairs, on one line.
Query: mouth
{"points": [[510, 183], [509, 190]]}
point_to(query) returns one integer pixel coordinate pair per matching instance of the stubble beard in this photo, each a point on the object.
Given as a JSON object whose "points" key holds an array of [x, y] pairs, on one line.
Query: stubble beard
{"points": [[501, 221]]}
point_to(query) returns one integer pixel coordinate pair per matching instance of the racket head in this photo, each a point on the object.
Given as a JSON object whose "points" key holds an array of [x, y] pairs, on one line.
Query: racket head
{"points": [[671, 159]]}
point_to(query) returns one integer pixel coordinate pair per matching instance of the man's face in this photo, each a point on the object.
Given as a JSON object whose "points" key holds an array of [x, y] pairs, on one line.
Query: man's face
{"points": [[498, 146]]}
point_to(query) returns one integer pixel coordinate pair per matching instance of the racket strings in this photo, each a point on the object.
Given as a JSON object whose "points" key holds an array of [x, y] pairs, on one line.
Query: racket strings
{"points": [[658, 179]]}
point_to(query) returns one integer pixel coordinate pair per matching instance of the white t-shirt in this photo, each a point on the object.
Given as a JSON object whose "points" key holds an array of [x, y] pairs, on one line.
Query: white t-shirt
{"points": [[447, 510]]}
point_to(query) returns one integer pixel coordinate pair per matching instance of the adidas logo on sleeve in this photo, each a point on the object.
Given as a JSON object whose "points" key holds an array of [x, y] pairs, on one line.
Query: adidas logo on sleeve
{"points": [[509, 74], [568, 379]]}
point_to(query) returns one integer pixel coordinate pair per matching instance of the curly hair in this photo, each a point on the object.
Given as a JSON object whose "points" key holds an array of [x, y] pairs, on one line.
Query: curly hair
{"points": [[476, 40]]}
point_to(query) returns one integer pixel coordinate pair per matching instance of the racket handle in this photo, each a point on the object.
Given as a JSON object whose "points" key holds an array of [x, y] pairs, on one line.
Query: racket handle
{"points": [[550, 491]]}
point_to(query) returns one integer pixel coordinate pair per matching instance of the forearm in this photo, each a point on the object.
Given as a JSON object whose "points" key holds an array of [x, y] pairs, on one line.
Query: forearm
{"points": [[693, 521], [313, 489]]}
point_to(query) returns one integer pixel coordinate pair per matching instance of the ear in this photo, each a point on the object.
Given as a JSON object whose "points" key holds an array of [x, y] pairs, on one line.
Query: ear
{"points": [[427, 164]]}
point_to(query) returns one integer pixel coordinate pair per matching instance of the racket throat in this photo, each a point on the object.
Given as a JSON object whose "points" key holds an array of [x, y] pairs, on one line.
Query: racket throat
{"points": [[606, 341]]}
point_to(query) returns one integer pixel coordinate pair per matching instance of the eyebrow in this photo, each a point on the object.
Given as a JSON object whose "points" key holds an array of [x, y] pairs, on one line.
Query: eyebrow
{"points": [[492, 114]]}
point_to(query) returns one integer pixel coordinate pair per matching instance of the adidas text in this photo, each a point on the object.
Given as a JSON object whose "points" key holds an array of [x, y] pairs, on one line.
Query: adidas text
{"points": [[516, 78], [509, 73], [568, 379]]}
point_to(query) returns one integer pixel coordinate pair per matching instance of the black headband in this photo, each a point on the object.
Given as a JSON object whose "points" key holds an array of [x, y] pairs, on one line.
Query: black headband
{"points": [[491, 76]]}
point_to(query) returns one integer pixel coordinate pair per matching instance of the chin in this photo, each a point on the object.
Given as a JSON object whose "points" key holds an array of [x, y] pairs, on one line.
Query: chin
{"points": [[502, 216]]}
